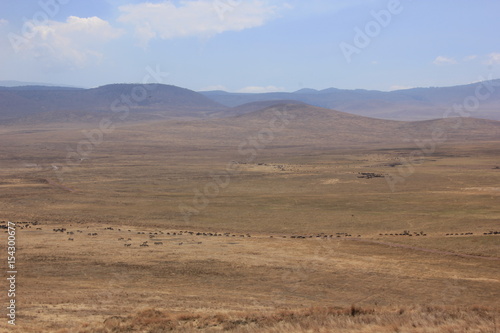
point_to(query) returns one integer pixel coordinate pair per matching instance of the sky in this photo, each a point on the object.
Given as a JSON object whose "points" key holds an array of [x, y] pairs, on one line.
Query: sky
{"points": [[251, 45]]}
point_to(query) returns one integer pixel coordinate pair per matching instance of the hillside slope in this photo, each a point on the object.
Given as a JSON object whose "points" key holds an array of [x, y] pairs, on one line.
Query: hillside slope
{"points": [[304, 125]]}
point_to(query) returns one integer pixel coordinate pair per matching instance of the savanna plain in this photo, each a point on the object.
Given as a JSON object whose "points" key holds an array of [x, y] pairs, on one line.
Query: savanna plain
{"points": [[234, 225]]}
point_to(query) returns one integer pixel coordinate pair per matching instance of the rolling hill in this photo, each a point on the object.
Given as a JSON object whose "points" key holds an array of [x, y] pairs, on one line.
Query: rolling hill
{"points": [[301, 125]]}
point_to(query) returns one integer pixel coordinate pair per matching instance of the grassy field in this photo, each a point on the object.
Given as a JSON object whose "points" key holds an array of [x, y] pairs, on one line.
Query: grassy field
{"points": [[295, 239]]}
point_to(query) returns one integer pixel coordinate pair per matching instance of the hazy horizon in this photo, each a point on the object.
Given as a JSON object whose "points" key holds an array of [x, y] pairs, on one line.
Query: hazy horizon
{"points": [[24, 84]]}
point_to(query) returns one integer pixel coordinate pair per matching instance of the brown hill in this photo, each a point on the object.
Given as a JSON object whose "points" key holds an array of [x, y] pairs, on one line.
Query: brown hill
{"points": [[254, 106], [304, 125]]}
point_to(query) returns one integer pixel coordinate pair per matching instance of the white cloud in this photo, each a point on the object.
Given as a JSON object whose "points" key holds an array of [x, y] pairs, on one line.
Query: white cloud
{"points": [[440, 60], [203, 18], [72, 43], [493, 58], [470, 58], [256, 89], [3, 22]]}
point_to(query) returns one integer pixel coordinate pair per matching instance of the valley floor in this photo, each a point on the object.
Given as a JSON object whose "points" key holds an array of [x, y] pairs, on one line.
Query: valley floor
{"points": [[150, 234]]}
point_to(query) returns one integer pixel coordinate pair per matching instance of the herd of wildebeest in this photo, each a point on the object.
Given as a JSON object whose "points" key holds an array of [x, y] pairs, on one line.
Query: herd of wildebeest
{"points": [[157, 237]]}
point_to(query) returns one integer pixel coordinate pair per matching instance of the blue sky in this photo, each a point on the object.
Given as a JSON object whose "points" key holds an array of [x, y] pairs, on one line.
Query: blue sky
{"points": [[252, 45]]}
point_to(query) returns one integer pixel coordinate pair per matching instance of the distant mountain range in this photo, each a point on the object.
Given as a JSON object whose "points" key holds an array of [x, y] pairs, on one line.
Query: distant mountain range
{"points": [[49, 104], [32, 103], [174, 114], [14, 83], [408, 104]]}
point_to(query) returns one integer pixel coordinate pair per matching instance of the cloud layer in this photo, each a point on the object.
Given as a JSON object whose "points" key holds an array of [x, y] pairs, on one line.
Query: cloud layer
{"points": [[441, 60], [73, 42], [493, 59], [203, 18]]}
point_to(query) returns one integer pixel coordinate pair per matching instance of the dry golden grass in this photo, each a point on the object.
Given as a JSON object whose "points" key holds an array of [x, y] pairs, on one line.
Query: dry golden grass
{"points": [[135, 180], [317, 319], [65, 284], [419, 319]]}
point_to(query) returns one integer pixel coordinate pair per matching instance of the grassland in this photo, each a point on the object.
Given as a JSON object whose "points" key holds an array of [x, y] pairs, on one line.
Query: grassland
{"points": [[264, 278]]}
